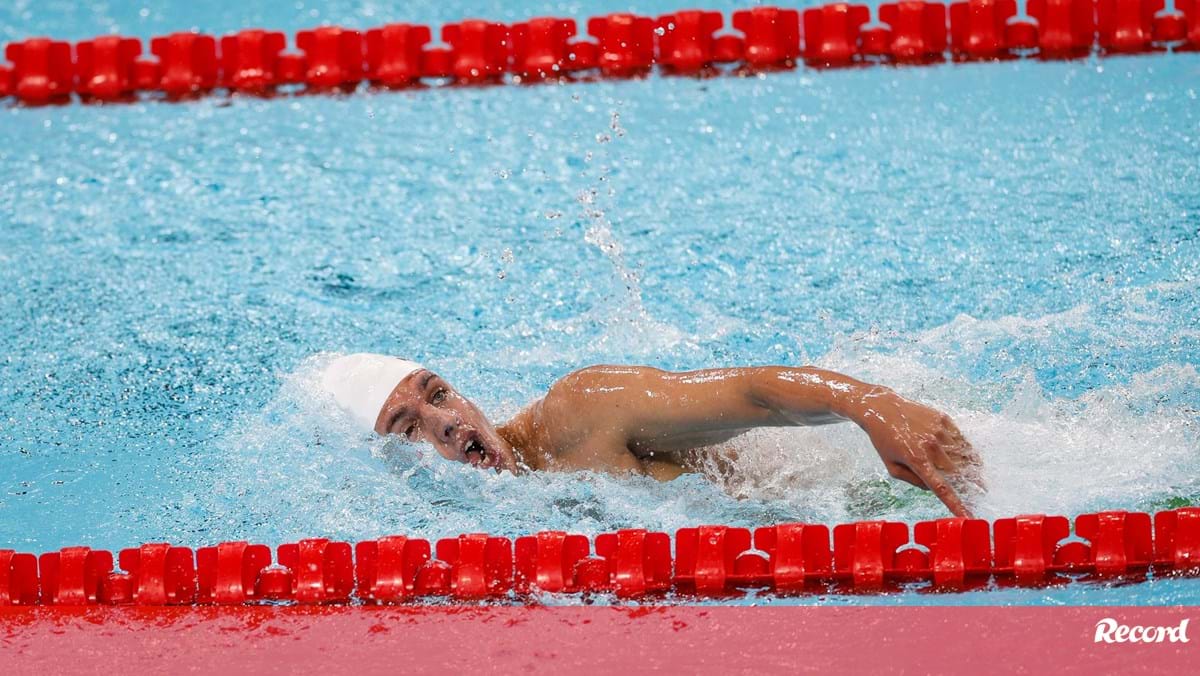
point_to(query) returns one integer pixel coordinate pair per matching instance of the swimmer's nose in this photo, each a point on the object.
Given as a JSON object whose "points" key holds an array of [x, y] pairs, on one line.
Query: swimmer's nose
{"points": [[446, 427]]}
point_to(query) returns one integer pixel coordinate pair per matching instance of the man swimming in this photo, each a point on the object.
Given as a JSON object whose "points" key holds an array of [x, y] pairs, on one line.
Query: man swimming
{"points": [[642, 420]]}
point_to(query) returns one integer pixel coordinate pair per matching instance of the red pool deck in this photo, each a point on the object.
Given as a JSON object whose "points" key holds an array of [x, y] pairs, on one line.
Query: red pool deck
{"points": [[625, 640]]}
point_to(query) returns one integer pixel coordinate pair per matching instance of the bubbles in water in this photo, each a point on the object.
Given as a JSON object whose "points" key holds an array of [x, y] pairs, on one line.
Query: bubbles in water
{"points": [[615, 124]]}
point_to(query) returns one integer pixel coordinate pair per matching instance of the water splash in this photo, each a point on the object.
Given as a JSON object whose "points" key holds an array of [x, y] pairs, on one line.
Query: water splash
{"points": [[627, 326]]}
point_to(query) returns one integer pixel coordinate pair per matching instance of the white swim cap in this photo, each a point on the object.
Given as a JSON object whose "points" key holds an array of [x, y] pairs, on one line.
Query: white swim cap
{"points": [[360, 383]]}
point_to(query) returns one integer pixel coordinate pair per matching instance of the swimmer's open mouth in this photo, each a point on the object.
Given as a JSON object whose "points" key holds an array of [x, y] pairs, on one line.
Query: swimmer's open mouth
{"points": [[478, 454]]}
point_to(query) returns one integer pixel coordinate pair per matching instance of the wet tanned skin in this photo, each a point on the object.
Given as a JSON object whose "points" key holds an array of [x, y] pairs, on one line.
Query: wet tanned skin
{"points": [[638, 419]]}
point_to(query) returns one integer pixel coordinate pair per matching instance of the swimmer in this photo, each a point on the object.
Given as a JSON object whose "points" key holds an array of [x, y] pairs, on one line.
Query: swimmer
{"points": [[642, 420]]}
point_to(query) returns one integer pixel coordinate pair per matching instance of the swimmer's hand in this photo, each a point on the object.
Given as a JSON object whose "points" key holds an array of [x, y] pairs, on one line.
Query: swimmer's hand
{"points": [[919, 445]]}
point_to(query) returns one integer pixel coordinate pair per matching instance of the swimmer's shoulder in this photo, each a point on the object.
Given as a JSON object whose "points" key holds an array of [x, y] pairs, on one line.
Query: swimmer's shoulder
{"points": [[595, 393], [602, 381]]}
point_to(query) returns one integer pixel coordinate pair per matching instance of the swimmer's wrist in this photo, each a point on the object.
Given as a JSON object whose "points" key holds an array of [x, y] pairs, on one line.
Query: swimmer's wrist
{"points": [[857, 403]]}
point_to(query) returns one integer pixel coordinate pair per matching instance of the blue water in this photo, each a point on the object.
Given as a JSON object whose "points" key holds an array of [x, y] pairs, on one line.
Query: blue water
{"points": [[1016, 243]]}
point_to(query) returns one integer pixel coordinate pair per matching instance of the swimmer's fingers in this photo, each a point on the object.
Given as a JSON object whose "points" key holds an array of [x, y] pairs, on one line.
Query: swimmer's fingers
{"points": [[936, 452], [898, 471], [933, 479], [964, 463], [946, 494]]}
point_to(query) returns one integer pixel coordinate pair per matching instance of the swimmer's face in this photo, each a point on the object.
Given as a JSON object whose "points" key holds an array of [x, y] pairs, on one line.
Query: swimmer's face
{"points": [[425, 408]]}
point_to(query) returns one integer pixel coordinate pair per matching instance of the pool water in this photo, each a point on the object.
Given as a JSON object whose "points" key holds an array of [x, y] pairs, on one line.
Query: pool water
{"points": [[1016, 243]]}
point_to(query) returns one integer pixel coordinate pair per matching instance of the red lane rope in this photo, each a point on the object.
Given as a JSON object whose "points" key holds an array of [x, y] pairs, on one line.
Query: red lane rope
{"points": [[332, 58], [951, 554]]}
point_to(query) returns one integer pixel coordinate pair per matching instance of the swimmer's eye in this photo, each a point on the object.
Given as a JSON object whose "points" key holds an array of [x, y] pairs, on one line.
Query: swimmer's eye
{"points": [[438, 397]]}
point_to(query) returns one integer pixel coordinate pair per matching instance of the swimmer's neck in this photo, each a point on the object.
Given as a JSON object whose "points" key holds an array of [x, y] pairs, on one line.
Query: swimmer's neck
{"points": [[518, 434]]}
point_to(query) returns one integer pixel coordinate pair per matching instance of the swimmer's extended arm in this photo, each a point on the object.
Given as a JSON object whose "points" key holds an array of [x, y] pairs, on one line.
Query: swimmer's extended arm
{"points": [[645, 406], [917, 444]]}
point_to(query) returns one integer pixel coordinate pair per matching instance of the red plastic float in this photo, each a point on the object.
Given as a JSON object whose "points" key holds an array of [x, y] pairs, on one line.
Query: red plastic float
{"points": [[146, 74], [479, 565], [831, 33], [686, 40], [1021, 35], [541, 49], [582, 55], [160, 574], [978, 28], [394, 54], [321, 571], [960, 550], [549, 561], [772, 36], [621, 45], [625, 43], [187, 63], [104, 67], [864, 553], [1121, 542], [1025, 547], [387, 568], [639, 562], [249, 60], [1191, 13], [706, 558], [799, 554], [18, 578], [1126, 26], [875, 42], [479, 51], [228, 573], [42, 71], [1177, 540], [290, 68], [918, 30], [947, 554], [1170, 28], [1065, 27], [333, 57], [72, 575]]}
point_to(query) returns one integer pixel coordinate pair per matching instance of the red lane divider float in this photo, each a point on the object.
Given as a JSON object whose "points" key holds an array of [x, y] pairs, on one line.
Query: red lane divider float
{"points": [[949, 554], [918, 30], [475, 51], [772, 36], [104, 67], [978, 29], [624, 43], [394, 54], [832, 34], [1065, 27], [187, 64], [687, 41], [541, 49], [250, 60]]}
